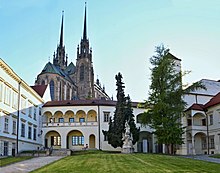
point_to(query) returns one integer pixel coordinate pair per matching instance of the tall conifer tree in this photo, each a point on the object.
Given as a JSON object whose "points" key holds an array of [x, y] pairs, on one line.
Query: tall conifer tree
{"points": [[123, 112], [166, 99]]}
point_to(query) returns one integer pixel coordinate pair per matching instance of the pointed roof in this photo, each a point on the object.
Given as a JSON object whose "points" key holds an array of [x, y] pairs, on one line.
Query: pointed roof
{"points": [[40, 89], [84, 30], [213, 101], [71, 68], [195, 106], [61, 31]]}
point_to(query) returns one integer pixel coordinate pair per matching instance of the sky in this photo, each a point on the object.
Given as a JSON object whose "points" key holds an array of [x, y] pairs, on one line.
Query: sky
{"points": [[122, 33]]}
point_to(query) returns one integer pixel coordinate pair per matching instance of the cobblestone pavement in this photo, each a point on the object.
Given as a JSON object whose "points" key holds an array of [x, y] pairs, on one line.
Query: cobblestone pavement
{"points": [[204, 158], [29, 165]]}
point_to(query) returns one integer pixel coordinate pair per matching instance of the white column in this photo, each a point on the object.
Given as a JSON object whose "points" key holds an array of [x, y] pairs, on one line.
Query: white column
{"points": [[193, 145], [153, 144]]}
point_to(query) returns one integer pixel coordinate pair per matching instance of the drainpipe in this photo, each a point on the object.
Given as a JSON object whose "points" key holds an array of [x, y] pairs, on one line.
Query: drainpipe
{"points": [[99, 126], [18, 114], [207, 129]]}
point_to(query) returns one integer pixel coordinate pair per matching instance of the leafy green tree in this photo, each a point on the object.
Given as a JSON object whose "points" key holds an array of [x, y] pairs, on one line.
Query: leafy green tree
{"points": [[166, 99], [122, 113]]}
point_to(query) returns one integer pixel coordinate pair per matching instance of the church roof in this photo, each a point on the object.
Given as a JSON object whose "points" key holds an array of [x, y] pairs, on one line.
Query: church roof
{"points": [[89, 102], [40, 89], [50, 68], [71, 68]]}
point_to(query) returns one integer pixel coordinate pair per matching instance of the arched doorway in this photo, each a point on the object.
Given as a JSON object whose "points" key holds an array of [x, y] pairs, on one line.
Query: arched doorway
{"points": [[200, 143], [52, 139], [92, 141], [75, 140], [145, 142]]}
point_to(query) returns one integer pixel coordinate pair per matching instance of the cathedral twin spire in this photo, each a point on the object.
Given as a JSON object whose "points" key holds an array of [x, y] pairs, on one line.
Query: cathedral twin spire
{"points": [[59, 58]]}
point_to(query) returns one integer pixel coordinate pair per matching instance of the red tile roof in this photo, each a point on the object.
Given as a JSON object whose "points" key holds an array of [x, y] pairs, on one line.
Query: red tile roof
{"points": [[198, 107], [40, 89], [213, 101], [89, 102]]}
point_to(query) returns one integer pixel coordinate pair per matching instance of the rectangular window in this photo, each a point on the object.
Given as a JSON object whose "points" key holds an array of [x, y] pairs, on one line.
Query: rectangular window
{"points": [[1, 91], [204, 122], [7, 95], [35, 112], [71, 120], [82, 120], [23, 105], [15, 100], [189, 122], [35, 134], [106, 116], [5, 153], [61, 120], [6, 125], [204, 144], [211, 119], [29, 132], [14, 128], [29, 109], [22, 130], [55, 140], [212, 142], [77, 140]]}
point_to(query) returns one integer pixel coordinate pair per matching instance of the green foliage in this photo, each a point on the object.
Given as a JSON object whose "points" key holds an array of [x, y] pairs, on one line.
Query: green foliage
{"points": [[165, 98], [122, 113]]}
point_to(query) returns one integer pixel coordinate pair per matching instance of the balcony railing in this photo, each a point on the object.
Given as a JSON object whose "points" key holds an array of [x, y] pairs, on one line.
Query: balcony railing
{"points": [[197, 128], [66, 124]]}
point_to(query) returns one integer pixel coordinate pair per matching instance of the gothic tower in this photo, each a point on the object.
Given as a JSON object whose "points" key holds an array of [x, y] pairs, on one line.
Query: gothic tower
{"points": [[84, 67], [59, 58]]}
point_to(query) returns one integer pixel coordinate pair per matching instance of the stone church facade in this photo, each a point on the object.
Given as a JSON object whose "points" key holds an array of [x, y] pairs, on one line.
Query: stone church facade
{"points": [[69, 81]]}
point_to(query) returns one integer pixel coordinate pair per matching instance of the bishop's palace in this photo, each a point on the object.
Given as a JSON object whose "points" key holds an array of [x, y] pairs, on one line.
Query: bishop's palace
{"points": [[69, 81], [66, 110]]}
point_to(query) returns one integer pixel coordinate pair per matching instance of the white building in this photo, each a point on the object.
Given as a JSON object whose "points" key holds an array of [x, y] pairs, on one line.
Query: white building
{"points": [[201, 120], [73, 124], [20, 113]]}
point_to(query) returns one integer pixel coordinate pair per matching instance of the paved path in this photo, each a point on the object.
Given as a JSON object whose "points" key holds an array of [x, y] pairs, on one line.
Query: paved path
{"points": [[204, 158], [29, 165]]}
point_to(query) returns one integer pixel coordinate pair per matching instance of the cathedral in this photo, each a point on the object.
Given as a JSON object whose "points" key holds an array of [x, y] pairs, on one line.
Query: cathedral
{"points": [[69, 81]]}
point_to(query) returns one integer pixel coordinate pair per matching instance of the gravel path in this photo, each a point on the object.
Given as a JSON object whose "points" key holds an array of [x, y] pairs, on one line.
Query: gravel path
{"points": [[204, 158], [29, 165]]}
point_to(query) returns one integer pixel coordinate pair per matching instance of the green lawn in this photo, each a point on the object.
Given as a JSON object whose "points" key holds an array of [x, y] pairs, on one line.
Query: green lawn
{"points": [[9, 160], [101, 162]]}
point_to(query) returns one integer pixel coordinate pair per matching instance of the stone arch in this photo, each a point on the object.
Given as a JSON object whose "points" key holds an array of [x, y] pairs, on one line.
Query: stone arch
{"points": [[199, 119], [75, 140], [69, 116], [47, 116], [200, 143], [145, 142], [58, 115], [80, 116], [52, 139], [92, 116], [138, 118], [92, 141]]}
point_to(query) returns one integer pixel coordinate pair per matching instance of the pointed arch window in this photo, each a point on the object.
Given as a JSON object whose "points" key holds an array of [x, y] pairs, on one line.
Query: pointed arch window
{"points": [[52, 89], [81, 73]]}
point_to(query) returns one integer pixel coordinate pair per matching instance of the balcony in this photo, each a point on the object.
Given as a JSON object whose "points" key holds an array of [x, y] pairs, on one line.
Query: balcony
{"points": [[70, 124], [196, 128]]}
